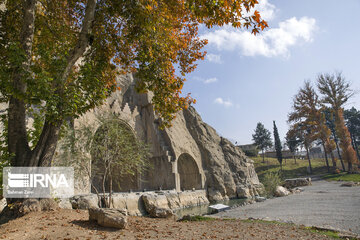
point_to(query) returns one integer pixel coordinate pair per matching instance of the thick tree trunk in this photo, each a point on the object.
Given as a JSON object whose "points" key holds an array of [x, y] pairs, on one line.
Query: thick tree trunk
{"points": [[45, 148], [18, 145], [17, 137], [263, 156]]}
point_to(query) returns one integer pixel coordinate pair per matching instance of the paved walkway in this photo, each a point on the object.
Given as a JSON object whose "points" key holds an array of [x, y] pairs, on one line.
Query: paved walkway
{"points": [[324, 204]]}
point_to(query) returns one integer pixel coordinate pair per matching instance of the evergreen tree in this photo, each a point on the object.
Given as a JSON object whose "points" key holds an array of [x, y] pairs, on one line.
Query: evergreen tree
{"points": [[293, 141], [262, 138], [278, 146], [352, 119]]}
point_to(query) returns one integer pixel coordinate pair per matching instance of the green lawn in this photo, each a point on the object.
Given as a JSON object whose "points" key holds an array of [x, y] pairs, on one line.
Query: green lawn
{"points": [[290, 169], [342, 177]]}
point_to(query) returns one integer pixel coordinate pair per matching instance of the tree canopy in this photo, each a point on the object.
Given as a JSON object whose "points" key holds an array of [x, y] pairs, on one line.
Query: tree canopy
{"points": [[63, 57], [262, 137]]}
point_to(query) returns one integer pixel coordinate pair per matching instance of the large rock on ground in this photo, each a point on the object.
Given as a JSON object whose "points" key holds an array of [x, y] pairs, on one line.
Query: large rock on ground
{"points": [[30, 205], [281, 191], [64, 203], [84, 201], [109, 217], [296, 182], [163, 204], [132, 202], [157, 205]]}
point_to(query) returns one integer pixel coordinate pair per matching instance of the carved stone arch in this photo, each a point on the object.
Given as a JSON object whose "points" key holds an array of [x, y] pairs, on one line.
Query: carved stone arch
{"points": [[119, 183], [189, 173]]}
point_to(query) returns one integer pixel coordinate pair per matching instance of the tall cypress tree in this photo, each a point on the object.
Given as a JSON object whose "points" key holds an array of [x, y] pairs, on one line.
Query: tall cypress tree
{"points": [[278, 146]]}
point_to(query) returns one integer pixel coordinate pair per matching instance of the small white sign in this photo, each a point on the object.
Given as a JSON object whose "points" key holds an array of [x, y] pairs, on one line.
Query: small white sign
{"points": [[38, 182]]}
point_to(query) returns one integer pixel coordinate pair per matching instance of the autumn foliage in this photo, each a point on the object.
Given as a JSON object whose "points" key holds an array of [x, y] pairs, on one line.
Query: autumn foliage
{"points": [[63, 57], [348, 152], [336, 92]]}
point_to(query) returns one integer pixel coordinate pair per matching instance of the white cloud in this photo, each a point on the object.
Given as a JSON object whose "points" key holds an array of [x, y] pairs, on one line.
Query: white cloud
{"points": [[206, 81], [210, 80], [213, 58], [271, 43], [225, 103]]}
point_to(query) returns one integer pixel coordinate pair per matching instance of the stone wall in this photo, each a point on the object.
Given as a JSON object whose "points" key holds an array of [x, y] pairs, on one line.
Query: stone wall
{"points": [[144, 203]]}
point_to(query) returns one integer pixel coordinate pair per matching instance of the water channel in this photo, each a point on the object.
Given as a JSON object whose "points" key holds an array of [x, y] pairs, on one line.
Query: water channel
{"points": [[205, 210]]}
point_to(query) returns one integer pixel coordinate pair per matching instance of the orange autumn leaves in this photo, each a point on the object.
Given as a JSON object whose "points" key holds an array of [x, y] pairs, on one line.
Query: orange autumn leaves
{"points": [[158, 40], [167, 37], [308, 115]]}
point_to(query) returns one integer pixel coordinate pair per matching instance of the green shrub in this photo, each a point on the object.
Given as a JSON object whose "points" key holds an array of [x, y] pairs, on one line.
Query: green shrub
{"points": [[251, 153], [271, 181]]}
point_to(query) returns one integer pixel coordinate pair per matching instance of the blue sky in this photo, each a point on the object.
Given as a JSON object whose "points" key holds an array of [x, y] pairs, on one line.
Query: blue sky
{"points": [[247, 79]]}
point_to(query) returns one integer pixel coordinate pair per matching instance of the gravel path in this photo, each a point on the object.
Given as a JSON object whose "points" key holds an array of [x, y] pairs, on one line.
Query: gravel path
{"points": [[324, 204]]}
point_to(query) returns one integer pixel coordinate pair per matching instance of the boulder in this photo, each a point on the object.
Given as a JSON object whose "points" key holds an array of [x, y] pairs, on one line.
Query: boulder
{"points": [[84, 201], [260, 199], [157, 205], [281, 191], [132, 202], [30, 205], [109, 217], [48, 204], [162, 213], [297, 182], [64, 203]]}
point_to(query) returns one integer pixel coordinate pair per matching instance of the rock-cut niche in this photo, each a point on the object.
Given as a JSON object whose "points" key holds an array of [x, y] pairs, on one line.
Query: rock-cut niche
{"points": [[189, 172], [102, 142]]}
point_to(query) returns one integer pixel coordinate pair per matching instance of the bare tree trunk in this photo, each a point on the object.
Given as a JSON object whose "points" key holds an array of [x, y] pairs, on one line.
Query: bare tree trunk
{"points": [[338, 151], [110, 189], [333, 160], [263, 156], [326, 157], [308, 157], [355, 146]]}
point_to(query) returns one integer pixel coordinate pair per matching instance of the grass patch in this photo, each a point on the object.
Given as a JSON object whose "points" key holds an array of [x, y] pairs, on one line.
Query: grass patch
{"points": [[342, 177], [328, 233], [267, 222], [290, 169], [198, 219]]}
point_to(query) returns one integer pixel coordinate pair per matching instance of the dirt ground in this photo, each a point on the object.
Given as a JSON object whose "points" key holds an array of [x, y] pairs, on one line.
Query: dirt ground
{"points": [[74, 224]]}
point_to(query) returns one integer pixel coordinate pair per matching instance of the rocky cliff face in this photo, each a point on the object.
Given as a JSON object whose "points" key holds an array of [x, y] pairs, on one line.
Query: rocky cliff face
{"points": [[229, 173]]}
